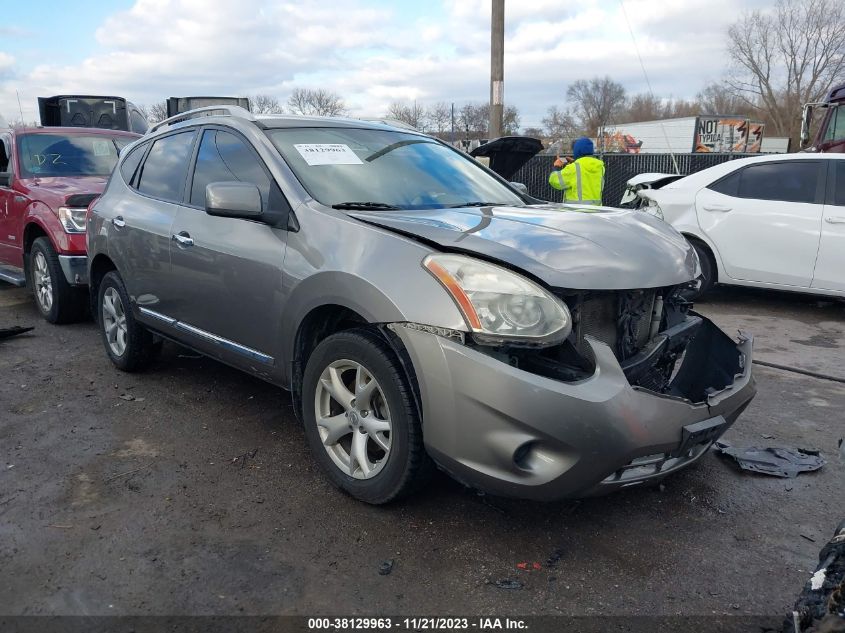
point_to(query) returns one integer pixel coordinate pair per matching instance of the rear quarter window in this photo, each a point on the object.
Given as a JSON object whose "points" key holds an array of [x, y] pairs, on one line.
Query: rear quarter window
{"points": [[728, 185], [130, 164]]}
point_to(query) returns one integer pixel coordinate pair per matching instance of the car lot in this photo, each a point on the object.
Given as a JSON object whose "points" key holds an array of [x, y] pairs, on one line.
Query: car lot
{"points": [[189, 489]]}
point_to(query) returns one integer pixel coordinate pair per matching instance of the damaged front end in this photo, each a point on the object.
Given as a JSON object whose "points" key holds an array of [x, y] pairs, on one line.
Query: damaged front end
{"points": [[661, 345], [641, 387]]}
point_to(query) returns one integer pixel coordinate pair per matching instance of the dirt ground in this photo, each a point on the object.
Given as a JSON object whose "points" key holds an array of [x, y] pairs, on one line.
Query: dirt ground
{"points": [[189, 490]]}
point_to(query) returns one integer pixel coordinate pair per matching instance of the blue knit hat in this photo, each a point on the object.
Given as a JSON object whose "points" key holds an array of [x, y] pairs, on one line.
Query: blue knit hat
{"points": [[582, 147]]}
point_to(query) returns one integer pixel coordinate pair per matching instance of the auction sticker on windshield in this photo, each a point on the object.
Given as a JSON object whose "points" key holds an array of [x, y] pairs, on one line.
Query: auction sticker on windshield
{"points": [[327, 154]]}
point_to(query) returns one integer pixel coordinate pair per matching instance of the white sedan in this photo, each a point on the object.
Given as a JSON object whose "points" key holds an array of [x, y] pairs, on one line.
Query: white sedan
{"points": [[773, 221]]}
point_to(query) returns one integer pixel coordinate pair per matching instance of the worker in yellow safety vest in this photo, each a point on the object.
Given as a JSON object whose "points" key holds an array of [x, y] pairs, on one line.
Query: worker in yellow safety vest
{"points": [[581, 180]]}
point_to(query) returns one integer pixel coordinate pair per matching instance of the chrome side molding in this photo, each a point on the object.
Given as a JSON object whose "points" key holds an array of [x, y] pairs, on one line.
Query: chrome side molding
{"points": [[209, 336]]}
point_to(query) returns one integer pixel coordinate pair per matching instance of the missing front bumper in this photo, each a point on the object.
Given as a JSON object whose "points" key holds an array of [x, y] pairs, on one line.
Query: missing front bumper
{"points": [[510, 432]]}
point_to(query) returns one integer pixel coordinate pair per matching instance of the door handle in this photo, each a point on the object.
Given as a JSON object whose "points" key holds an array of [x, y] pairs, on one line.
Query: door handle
{"points": [[119, 222], [833, 219], [716, 207], [183, 239]]}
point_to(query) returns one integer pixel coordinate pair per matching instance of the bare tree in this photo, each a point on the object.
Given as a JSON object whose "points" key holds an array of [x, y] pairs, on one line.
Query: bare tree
{"points": [[510, 120], [440, 117], [677, 108], [720, 98], [560, 125], [535, 132], [154, 112], [414, 114], [642, 107], [316, 102], [596, 102], [473, 119], [265, 104], [787, 57]]}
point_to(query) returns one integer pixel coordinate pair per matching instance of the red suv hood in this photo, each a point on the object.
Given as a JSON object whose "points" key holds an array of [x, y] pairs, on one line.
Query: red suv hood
{"points": [[55, 190]]}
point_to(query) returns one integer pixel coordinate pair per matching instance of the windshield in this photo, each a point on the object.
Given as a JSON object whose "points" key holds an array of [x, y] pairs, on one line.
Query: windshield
{"points": [[385, 169], [69, 154]]}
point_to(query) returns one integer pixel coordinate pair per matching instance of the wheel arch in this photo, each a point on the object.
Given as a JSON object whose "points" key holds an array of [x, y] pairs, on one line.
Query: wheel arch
{"points": [[330, 318], [709, 250], [97, 269]]}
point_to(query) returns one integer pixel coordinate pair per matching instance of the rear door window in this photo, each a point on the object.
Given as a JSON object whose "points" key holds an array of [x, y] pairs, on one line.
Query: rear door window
{"points": [[166, 167], [791, 181]]}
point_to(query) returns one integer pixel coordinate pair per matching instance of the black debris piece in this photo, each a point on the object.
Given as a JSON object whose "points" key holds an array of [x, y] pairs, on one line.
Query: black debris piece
{"points": [[507, 583], [8, 332], [554, 558], [776, 461], [821, 606], [386, 567]]}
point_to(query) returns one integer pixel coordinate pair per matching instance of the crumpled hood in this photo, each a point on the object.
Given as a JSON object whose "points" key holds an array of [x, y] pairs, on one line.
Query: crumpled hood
{"points": [[54, 190], [562, 245]]}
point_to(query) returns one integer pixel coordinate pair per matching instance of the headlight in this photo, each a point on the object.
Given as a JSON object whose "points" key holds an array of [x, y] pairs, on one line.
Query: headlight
{"points": [[500, 305], [653, 208], [73, 219]]}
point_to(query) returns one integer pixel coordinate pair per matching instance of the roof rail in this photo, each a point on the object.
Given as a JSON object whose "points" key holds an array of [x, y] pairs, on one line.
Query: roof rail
{"points": [[215, 110]]}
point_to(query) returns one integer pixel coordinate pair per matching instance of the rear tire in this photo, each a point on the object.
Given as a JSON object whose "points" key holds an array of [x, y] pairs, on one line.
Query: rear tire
{"points": [[708, 272], [57, 300], [129, 345], [369, 441]]}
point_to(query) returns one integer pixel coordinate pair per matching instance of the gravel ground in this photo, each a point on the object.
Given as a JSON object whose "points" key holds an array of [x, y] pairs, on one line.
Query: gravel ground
{"points": [[189, 489]]}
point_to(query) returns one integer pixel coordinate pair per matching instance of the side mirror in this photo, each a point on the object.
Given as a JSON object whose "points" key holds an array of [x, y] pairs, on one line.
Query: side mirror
{"points": [[5, 179], [233, 200], [520, 187], [806, 118]]}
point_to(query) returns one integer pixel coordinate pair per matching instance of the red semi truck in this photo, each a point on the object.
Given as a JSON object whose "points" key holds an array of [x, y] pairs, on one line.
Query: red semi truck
{"points": [[48, 176], [830, 136]]}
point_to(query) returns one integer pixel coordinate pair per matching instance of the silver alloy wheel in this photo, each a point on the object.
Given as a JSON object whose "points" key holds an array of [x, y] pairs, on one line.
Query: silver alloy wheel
{"points": [[114, 321], [353, 419], [43, 283]]}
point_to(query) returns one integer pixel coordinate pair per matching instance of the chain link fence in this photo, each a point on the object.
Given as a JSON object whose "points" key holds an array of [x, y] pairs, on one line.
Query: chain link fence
{"points": [[619, 168]]}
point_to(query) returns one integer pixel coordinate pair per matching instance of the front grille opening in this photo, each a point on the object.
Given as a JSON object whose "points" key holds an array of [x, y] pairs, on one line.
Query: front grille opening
{"points": [[649, 466], [625, 320]]}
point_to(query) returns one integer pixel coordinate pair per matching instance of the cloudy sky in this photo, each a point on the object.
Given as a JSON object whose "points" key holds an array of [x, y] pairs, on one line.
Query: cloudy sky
{"points": [[372, 52]]}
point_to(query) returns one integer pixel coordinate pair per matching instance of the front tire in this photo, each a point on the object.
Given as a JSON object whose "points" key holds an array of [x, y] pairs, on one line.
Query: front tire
{"points": [[360, 418], [129, 344], [57, 300]]}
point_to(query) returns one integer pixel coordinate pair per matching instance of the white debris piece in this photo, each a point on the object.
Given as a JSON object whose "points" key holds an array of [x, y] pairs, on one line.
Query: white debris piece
{"points": [[817, 580]]}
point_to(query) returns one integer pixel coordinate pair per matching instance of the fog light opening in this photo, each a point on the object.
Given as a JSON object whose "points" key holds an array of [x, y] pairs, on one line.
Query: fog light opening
{"points": [[522, 456]]}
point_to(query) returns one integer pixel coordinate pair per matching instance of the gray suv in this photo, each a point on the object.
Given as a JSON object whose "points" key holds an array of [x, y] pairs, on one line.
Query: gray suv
{"points": [[421, 310]]}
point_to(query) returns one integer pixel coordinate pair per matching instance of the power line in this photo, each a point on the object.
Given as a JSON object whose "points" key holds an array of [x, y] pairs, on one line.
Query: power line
{"points": [[648, 83]]}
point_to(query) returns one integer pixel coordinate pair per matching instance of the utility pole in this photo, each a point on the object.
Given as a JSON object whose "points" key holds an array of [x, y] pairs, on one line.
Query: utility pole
{"points": [[497, 68]]}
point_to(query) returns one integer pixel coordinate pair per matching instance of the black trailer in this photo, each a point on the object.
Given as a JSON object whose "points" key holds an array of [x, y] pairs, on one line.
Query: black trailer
{"points": [[178, 105], [109, 113]]}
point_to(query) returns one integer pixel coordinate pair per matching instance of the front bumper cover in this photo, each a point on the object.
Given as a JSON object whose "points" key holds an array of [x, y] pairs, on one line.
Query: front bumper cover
{"points": [[510, 432], [75, 268]]}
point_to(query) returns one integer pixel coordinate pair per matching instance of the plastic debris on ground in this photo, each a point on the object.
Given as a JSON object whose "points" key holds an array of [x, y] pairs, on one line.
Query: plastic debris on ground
{"points": [[8, 332], [507, 583], [776, 461], [821, 606], [386, 567]]}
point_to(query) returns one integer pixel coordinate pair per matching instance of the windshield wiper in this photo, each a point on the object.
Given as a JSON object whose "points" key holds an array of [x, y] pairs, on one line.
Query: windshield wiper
{"points": [[382, 206], [478, 204]]}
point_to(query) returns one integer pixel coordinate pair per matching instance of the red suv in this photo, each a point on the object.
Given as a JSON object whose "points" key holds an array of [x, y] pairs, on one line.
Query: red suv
{"points": [[48, 176]]}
